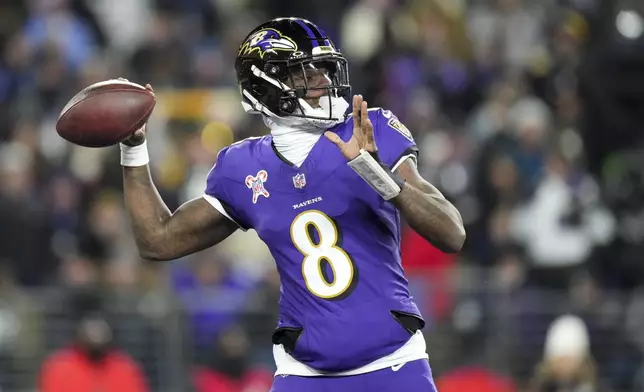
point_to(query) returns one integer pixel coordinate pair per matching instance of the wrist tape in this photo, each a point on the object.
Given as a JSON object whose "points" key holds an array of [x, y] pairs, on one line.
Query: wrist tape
{"points": [[134, 156], [368, 166]]}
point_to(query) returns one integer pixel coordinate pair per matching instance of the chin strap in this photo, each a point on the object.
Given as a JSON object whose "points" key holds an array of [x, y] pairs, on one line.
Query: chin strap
{"points": [[378, 175]]}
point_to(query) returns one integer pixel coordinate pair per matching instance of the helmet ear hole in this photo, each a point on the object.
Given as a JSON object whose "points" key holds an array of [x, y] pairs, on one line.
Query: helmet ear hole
{"points": [[287, 106], [272, 69]]}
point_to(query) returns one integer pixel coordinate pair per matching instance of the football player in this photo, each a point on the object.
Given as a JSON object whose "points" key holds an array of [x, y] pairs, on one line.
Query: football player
{"points": [[325, 191]]}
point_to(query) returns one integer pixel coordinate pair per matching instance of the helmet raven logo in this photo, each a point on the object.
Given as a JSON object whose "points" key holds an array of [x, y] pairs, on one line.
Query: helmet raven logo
{"points": [[267, 40]]}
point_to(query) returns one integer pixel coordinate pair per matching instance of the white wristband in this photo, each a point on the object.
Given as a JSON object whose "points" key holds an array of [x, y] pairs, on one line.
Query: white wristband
{"points": [[134, 156], [375, 175]]}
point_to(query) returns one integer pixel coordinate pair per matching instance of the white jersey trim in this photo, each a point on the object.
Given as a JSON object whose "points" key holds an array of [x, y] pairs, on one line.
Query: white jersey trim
{"points": [[403, 159], [213, 201], [413, 350]]}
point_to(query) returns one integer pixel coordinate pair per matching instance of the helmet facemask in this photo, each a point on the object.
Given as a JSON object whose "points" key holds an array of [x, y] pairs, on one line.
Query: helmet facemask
{"points": [[312, 88]]}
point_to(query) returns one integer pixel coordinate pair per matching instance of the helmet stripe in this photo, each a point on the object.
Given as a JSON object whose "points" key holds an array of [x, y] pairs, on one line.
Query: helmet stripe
{"points": [[322, 36], [310, 33]]}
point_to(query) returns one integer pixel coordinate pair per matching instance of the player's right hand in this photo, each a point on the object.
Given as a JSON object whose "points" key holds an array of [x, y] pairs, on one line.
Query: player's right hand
{"points": [[138, 137], [362, 138]]}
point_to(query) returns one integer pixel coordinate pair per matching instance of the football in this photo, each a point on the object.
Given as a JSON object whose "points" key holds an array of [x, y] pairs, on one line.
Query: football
{"points": [[105, 113]]}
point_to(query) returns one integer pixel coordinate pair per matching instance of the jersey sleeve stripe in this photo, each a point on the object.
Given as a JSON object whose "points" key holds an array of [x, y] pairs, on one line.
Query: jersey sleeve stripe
{"points": [[411, 152], [213, 201]]}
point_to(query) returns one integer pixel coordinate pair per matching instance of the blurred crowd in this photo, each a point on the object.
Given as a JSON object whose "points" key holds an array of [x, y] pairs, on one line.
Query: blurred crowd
{"points": [[526, 113]]}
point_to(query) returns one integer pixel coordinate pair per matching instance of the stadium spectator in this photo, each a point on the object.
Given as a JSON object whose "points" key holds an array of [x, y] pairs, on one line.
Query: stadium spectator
{"points": [[427, 269], [228, 368], [91, 363], [567, 363], [474, 379], [212, 293], [562, 223]]}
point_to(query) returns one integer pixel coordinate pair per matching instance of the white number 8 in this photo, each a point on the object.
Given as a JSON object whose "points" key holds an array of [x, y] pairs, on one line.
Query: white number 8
{"points": [[325, 249]]}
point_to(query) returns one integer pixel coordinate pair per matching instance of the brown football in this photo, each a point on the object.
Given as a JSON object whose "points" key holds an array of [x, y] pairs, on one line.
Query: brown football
{"points": [[105, 113]]}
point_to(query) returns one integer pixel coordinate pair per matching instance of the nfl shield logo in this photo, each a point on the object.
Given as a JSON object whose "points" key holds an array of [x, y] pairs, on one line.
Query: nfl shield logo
{"points": [[299, 181]]}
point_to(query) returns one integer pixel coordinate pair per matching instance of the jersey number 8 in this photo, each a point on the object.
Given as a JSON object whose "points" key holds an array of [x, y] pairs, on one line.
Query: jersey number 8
{"points": [[325, 249]]}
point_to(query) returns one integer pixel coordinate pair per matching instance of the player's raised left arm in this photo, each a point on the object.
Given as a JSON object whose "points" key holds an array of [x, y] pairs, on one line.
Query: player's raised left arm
{"points": [[427, 211], [421, 204]]}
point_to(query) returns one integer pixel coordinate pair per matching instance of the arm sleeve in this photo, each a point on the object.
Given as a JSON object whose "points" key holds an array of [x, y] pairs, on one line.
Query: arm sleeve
{"points": [[216, 193], [395, 142]]}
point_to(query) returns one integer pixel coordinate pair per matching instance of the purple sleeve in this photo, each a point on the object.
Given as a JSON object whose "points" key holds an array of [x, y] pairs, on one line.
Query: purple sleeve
{"points": [[216, 189], [395, 142]]}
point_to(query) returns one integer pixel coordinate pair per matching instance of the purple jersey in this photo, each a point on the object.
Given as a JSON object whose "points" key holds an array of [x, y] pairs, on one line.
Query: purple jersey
{"points": [[336, 243]]}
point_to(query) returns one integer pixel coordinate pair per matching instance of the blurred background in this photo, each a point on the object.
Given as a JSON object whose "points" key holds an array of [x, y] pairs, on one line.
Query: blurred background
{"points": [[528, 117]]}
